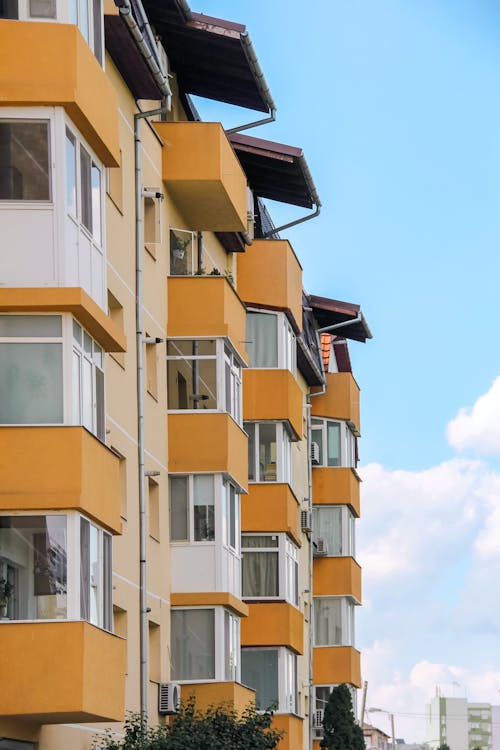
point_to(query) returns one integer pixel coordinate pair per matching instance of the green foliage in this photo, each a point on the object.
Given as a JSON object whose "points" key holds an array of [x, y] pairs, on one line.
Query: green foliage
{"points": [[444, 746], [6, 590], [340, 731], [217, 728]]}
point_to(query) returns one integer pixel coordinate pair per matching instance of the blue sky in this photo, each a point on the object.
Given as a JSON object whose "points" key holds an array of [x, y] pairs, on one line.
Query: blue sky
{"points": [[396, 104]]}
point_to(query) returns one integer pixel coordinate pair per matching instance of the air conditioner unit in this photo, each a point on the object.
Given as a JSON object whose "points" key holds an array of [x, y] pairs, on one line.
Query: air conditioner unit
{"points": [[305, 520], [320, 547], [315, 453], [318, 718], [169, 698], [250, 214]]}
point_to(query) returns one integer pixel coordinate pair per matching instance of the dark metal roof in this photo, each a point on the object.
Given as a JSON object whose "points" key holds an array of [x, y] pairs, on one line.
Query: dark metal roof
{"points": [[274, 170], [128, 59], [209, 56], [331, 311], [308, 353]]}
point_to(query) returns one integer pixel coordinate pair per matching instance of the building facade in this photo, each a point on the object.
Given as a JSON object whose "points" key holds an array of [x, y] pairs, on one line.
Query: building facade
{"points": [[460, 724], [178, 418]]}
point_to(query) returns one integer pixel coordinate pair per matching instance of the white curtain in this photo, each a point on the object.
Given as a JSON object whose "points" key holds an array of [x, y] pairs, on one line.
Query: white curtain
{"points": [[193, 644], [260, 574], [262, 339]]}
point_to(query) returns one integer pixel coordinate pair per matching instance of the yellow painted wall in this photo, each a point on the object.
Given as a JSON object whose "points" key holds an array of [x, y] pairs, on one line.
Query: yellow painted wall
{"points": [[336, 486], [271, 507], [273, 624], [272, 394], [335, 664], [337, 576], [341, 399]]}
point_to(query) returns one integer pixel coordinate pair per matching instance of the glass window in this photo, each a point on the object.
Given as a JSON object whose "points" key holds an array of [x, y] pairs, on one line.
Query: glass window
{"points": [[203, 374], [193, 644], [31, 372], [259, 670], [333, 443], [5, 743], [192, 502], [70, 173], [333, 621], [182, 253], [88, 382], [24, 161], [42, 8], [231, 646], [83, 187], [95, 574], [272, 673], [9, 9], [268, 452], [260, 566], [203, 508], [269, 567], [33, 561], [179, 509], [262, 339], [335, 524]]}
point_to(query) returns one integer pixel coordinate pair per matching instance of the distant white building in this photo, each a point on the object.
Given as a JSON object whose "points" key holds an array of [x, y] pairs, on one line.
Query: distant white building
{"points": [[462, 725]]}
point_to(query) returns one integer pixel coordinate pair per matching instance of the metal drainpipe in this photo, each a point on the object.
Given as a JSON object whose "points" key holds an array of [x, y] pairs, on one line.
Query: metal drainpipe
{"points": [[143, 604], [315, 199], [326, 329]]}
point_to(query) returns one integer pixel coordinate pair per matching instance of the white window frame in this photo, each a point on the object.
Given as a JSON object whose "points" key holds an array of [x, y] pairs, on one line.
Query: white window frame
{"points": [[226, 513], [224, 355], [69, 347], [347, 442], [19, 117], [288, 561], [283, 454], [73, 569], [347, 623], [347, 529], [190, 238], [286, 341], [287, 678], [96, 238], [226, 652]]}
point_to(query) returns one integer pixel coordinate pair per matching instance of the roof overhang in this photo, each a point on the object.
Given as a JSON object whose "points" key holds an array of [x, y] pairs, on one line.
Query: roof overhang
{"points": [[275, 170], [211, 57], [330, 312]]}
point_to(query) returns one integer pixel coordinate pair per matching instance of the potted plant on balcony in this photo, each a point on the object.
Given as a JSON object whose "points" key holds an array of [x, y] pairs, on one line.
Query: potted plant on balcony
{"points": [[6, 591]]}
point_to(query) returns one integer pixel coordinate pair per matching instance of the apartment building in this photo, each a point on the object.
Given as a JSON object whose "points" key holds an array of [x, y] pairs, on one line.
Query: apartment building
{"points": [[460, 724], [178, 446]]}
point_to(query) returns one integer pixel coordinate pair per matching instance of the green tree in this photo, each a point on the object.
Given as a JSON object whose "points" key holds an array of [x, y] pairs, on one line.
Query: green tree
{"points": [[444, 746], [217, 728], [340, 730]]}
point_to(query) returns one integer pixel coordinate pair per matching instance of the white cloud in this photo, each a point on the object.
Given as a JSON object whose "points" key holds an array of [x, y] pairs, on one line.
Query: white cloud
{"points": [[477, 428]]}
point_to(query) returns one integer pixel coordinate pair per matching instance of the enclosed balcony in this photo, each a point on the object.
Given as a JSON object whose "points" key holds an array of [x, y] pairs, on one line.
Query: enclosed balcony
{"points": [[206, 306], [336, 486], [337, 576], [333, 665], [292, 726], [207, 442], [66, 74], [272, 394], [59, 468], [270, 275], [61, 672], [270, 507], [273, 624], [340, 401], [203, 176]]}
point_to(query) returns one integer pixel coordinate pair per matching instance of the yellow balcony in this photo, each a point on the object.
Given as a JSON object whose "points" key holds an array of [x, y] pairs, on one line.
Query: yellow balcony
{"points": [[209, 694], [336, 486], [292, 728], [335, 664], [210, 599], [337, 576], [61, 468], [206, 306], [341, 399], [269, 274], [61, 672], [273, 394], [271, 507], [72, 300], [203, 176], [207, 442], [66, 74], [273, 624]]}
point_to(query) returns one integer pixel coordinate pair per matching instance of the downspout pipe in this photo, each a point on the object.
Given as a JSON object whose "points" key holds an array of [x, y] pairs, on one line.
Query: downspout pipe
{"points": [[253, 61], [140, 34], [327, 329], [143, 602], [315, 199]]}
